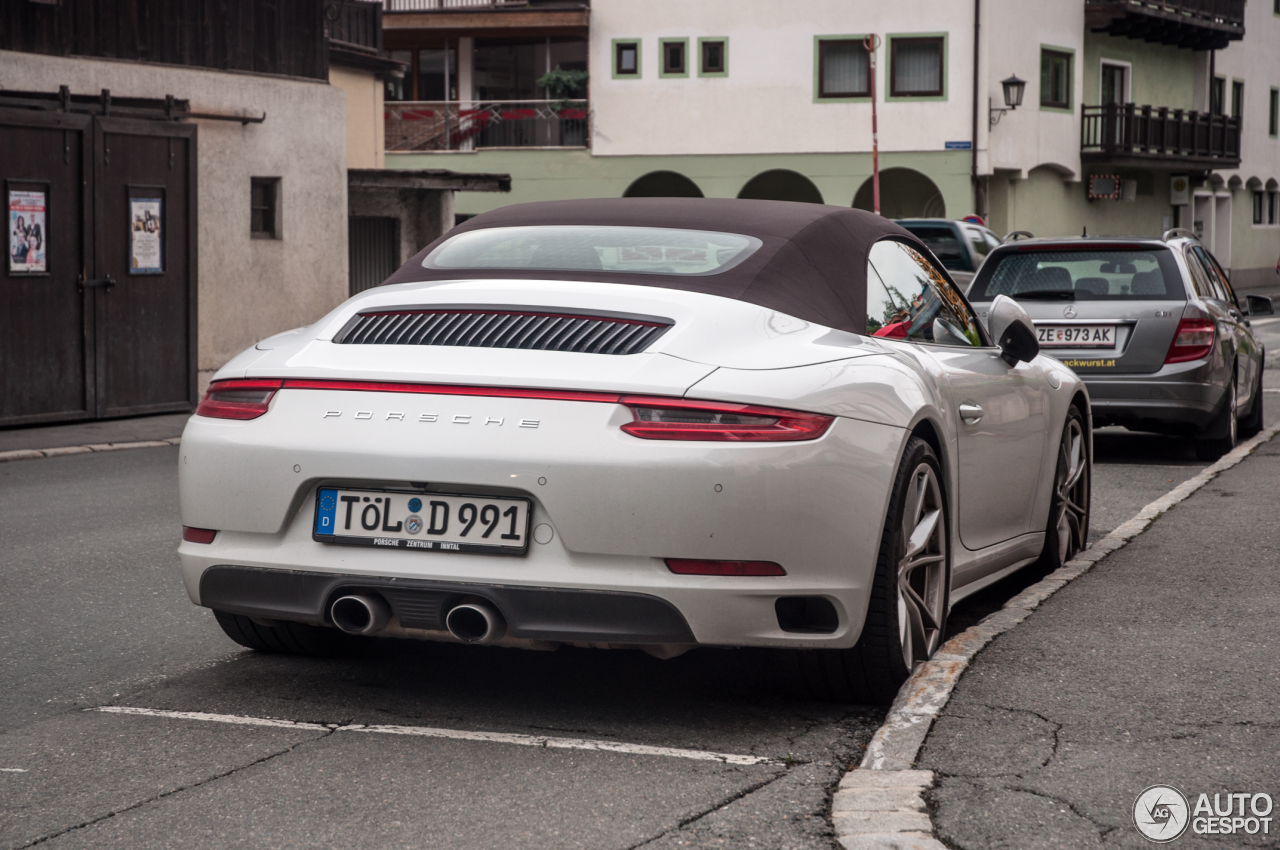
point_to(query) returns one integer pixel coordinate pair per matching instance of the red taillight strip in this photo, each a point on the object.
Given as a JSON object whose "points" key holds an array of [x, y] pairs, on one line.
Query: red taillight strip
{"points": [[791, 425], [246, 384], [220, 408], [449, 389]]}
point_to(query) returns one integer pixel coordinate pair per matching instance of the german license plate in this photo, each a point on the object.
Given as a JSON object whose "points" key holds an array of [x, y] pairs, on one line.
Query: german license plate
{"points": [[436, 522], [1077, 336]]}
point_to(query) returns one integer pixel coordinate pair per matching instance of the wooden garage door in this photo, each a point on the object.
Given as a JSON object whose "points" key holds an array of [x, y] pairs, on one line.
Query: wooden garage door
{"points": [[85, 330]]}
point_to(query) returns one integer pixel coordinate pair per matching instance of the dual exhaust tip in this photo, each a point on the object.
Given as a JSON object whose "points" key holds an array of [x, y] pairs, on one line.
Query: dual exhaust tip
{"points": [[470, 622]]}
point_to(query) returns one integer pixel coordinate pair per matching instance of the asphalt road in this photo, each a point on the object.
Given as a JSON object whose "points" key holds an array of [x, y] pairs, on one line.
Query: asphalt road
{"points": [[93, 614]]}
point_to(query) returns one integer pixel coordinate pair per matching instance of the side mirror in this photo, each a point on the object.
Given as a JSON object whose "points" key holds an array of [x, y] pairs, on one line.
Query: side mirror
{"points": [[1011, 328], [1260, 305]]}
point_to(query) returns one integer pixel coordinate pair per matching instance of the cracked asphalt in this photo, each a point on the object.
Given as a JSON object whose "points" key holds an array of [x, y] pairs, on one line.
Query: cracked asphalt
{"points": [[1157, 667], [93, 613]]}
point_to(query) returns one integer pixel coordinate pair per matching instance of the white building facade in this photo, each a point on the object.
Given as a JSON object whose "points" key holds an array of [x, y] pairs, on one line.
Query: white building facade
{"points": [[752, 98]]}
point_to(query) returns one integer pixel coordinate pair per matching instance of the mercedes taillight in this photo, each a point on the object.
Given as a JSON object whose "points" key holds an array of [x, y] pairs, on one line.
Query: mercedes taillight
{"points": [[1193, 341]]}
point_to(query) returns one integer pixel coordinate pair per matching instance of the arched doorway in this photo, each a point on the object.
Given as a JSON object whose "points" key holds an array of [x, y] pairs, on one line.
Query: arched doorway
{"points": [[904, 193], [781, 185], [663, 184]]}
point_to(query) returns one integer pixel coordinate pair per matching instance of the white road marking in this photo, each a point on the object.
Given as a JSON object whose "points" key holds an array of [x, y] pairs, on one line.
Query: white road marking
{"points": [[213, 718], [546, 741], [13, 770]]}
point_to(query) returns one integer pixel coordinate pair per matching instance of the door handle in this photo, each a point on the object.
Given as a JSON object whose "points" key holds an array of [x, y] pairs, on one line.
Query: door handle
{"points": [[970, 414], [104, 283]]}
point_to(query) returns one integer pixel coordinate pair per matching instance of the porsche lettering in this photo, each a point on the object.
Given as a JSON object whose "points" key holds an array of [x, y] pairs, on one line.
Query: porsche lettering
{"points": [[456, 419]]}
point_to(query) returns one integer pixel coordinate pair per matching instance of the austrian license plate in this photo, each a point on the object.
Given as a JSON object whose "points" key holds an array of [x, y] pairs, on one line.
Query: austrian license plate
{"points": [[432, 521], [1077, 336]]}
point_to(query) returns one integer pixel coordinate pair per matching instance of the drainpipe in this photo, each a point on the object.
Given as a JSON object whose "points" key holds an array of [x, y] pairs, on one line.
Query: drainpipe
{"points": [[979, 194]]}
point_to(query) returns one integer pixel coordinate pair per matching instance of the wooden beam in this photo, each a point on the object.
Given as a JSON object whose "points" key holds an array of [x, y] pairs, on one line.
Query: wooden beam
{"points": [[452, 20]]}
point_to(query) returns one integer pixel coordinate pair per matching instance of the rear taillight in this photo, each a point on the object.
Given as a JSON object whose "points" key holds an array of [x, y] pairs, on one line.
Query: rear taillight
{"points": [[1193, 341], [687, 567], [198, 535], [676, 419], [246, 399]]}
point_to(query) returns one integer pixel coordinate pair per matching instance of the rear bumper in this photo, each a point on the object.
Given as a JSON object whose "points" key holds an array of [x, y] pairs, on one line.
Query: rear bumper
{"points": [[614, 507], [534, 613], [1182, 398]]}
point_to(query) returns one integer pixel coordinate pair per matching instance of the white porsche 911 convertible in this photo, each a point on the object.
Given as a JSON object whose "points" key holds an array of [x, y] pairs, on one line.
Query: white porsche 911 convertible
{"points": [[651, 423]]}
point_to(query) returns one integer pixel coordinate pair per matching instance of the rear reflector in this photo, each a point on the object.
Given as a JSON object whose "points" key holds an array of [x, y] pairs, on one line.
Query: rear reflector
{"points": [[245, 399], [198, 535], [678, 419], [686, 567], [1193, 341]]}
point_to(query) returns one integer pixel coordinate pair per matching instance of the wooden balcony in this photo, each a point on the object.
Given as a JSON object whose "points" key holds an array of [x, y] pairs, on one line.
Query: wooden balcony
{"points": [[1195, 24], [413, 126], [1158, 137], [412, 23]]}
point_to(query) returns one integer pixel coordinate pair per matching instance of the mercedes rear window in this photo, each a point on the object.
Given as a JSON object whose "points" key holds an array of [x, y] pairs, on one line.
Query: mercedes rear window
{"points": [[942, 241], [586, 248], [1089, 275]]}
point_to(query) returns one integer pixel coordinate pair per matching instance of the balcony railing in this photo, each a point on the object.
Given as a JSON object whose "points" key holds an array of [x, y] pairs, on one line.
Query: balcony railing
{"points": [[1197, 24], [436, 5], [451, 126], [1119, 132]]}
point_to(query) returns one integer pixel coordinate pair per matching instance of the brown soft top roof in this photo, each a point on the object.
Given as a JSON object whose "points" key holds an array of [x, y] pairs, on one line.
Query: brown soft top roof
{"points": [[812, 263]]}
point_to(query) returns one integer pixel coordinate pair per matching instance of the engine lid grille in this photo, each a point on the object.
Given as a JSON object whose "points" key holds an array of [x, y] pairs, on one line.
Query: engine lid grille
{"points": [[505, 327]]}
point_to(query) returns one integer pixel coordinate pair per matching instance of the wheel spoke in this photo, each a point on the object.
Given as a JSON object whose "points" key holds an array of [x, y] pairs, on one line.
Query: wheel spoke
{"points": [[1077, 467], [910, 566], [923, 533], [922, 493], [922, 608]]}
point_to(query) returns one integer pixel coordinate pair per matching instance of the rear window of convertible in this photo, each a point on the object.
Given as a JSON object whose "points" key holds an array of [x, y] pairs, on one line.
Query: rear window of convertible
{"points": [[1094, 275], [585, 248]]}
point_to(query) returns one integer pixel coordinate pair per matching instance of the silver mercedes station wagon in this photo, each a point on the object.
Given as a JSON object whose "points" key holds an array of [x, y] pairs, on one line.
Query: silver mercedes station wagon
{"points": [[1151, 325]]}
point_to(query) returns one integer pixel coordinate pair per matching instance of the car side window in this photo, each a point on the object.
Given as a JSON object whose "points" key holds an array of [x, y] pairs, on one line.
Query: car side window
{"points": [[979, 243], [907, 298], [1211, 262], [1217, 288], [1199, 277]]}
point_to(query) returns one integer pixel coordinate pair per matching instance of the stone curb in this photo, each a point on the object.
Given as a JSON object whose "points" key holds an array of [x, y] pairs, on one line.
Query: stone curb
{"points": [[878, 805], [31, 454]]}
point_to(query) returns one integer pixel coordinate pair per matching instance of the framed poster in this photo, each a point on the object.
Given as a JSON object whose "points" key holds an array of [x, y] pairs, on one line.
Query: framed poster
{"points": [[146, 235], [28, 232]]}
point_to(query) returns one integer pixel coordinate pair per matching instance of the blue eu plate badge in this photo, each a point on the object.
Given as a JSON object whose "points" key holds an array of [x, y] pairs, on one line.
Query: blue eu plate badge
{"points": [[328, 509]]}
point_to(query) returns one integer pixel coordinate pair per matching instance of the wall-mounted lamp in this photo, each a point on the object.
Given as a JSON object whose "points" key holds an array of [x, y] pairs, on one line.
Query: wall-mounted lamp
{"points": [[1013, 91]]}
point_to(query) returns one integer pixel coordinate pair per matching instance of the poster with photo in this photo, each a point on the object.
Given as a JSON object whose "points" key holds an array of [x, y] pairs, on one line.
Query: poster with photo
{"points": [[28, 233], [145, 236]]}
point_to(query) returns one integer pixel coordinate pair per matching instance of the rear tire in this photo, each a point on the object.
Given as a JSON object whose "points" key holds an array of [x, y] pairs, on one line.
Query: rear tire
{"points": [[1224, 430], [1251, 425], [907, 613], [285, 638], [1068, 530]]}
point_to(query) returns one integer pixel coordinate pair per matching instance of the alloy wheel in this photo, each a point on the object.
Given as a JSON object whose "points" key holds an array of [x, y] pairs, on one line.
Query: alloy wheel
{"points": [[922, 570], [1071, 492]]}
